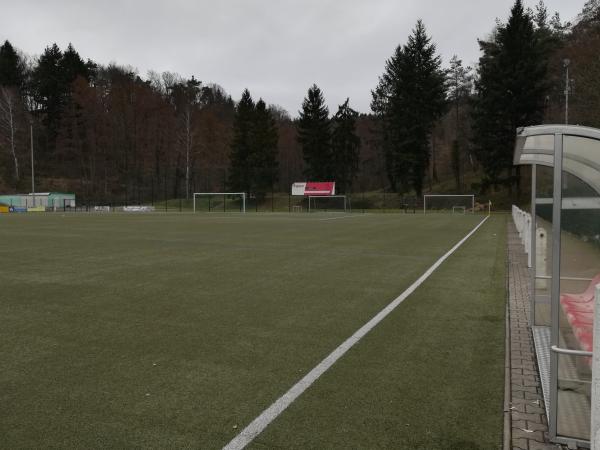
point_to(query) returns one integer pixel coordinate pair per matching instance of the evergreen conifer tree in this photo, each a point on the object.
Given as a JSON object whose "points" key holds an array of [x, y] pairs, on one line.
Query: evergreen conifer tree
{"points": [[408, 100], [314, 135], [48, 89], [12, 68], [72, 66], [52, 79], [263, 157], [510, 93], [241, 146], [345, 145]]}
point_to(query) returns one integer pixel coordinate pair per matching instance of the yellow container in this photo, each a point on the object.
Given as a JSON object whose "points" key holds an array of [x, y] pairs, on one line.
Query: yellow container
{"points": [[3, 209]]}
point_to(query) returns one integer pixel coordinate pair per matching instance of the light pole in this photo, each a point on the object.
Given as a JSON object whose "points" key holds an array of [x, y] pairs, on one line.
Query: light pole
{"points": [[32, 169], [566, 63]]}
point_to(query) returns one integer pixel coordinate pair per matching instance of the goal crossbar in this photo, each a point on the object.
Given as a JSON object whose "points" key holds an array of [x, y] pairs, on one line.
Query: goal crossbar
{"points": [[223, 194], [429, 196]]}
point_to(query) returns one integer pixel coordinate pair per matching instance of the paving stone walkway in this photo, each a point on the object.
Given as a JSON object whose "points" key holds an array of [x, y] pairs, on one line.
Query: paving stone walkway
{"points": [[529, 426]]}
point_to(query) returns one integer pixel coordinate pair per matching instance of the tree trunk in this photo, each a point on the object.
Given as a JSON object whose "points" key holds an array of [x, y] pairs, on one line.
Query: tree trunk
{"points": [[7, 120], [12, 142], [457, 156], [434, 174], [188, 144]]}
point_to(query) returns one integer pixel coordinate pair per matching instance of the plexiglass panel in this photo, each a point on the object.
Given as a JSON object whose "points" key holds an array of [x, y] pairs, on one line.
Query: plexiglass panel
{"points": [[574, 391], [582, 158], [537, 143], [579, 271], [543, 247]]}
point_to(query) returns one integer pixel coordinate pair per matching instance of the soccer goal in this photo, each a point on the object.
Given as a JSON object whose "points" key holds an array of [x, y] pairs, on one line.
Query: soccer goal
{"points": [[449, 203], [331, 203], [219, 201]]}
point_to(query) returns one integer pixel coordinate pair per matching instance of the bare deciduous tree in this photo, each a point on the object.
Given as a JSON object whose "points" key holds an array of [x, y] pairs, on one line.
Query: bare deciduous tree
{"points": [[10, 109]]}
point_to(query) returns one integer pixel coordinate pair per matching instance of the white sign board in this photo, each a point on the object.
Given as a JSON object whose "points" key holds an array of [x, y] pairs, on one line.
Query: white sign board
{"points": [[298, 188], [138, 208]]}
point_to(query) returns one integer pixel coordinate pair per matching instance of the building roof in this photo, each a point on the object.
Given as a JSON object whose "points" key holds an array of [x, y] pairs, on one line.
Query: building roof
{"points": [[39, 194]]}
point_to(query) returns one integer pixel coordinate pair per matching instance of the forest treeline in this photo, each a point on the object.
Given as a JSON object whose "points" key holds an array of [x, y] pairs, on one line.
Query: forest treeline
{"points": [[109, 134]]}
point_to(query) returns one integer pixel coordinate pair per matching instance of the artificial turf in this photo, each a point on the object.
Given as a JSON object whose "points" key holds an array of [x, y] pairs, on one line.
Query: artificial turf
{"points": [[176, 330]]}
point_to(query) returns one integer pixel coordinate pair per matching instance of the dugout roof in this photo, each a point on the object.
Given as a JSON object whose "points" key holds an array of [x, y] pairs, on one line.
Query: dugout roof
{"points": [[579, 147]]}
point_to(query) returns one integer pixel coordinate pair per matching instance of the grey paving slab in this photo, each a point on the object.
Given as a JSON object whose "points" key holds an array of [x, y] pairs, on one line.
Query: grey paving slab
{"points": [[528, 423]]}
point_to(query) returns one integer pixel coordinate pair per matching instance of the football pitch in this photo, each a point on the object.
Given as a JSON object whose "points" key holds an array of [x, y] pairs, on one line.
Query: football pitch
{"points": [[178, 330]]}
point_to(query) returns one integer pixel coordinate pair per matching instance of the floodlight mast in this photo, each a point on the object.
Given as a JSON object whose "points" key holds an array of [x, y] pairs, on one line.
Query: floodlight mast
{"points": [[32, 169], [566, 63]]}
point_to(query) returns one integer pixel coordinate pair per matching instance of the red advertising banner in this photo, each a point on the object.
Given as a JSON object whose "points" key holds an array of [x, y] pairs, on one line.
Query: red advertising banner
{"points": [[314, 188]]}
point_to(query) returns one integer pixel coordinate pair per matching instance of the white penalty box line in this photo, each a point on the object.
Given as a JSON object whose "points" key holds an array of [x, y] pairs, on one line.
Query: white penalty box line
{"points": [[256, 427]]}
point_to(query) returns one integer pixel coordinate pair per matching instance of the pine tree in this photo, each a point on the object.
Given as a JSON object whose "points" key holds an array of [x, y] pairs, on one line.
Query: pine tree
{"points": [[408, 100], [263, 156], [510, 93], [345, 145], [52, 79], [314, 135], [241, 146], [12, 67], [48, 89], [389, 126], [72, 66]]}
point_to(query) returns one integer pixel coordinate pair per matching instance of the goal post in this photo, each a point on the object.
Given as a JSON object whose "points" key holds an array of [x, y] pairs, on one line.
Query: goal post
{"points": [[344, 203], [450, 203], [242, 195]]}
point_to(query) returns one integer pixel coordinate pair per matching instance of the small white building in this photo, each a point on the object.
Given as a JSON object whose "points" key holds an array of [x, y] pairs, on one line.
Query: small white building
{"points": [[44, 199]]}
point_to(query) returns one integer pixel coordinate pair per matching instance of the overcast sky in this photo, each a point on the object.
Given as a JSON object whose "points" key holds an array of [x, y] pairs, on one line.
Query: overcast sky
{"points": [[275, 48]]}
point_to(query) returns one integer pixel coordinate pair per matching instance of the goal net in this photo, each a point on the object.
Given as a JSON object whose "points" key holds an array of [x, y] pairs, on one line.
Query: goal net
{"points": [[452, 204], [328, 203], [220, 201]]}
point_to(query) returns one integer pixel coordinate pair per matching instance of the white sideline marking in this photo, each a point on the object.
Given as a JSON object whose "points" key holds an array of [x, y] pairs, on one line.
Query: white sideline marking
{"points": [[255, 427], [342, 217]]}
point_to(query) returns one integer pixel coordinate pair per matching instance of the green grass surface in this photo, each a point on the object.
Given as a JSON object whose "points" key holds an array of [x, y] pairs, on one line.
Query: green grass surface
{"points": [[175, 331]]}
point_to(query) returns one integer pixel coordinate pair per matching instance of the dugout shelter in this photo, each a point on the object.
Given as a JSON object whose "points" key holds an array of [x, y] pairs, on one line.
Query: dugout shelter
{"points": [[564, 256]]}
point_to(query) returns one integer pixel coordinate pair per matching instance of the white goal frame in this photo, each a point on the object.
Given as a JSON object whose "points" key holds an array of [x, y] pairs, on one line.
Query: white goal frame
{"points": [[222, 194], [330, 196], [426, 196]]}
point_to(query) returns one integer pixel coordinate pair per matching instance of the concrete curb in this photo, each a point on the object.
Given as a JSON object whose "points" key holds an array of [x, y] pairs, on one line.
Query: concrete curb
{"points": [[507, 435]]}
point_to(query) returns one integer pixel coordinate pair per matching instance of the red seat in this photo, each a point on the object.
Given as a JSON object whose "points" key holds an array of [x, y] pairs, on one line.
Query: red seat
{"points": [[585, 296], [578, 307], [581, 321], [579, 310], [585, 336]]}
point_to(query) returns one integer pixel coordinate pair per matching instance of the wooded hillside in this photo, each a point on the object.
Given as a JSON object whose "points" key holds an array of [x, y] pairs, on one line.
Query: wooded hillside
{"points": [[110, 134]]}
